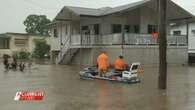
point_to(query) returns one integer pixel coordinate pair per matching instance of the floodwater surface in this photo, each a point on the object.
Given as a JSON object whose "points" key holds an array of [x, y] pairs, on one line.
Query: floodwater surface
{"points": [[64, 90]]}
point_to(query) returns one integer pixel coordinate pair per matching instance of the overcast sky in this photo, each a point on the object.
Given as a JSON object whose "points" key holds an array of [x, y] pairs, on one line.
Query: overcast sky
{"points": [[14, 12]]}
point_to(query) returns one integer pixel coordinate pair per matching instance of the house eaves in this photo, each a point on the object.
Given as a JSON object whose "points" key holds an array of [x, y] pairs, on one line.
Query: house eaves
{"points": [[24, 34]]}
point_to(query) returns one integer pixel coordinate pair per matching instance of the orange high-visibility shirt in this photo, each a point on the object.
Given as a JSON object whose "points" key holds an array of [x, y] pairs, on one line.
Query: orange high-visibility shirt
{"points": [[119, 64], [103, 62]]}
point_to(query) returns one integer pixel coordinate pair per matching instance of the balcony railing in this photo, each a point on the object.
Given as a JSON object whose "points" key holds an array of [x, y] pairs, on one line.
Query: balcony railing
{"points": [[128, 39]]}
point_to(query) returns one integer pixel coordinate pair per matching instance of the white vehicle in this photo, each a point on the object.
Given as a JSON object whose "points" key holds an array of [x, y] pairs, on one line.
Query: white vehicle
{"points": [[133, 71]]}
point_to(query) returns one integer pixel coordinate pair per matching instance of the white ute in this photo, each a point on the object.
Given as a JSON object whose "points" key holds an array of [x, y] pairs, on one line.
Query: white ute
{"points": [[132, 73]]}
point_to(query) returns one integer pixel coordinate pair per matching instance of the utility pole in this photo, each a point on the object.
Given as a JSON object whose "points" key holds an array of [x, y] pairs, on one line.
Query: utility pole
{"points": [[162, 81]]}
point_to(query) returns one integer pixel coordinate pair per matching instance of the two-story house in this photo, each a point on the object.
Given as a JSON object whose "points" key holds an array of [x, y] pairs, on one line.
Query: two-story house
{"points": [[79, 34]]}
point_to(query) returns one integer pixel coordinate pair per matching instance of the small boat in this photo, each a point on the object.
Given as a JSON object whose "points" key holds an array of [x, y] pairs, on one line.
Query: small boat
{"points": [[129, 76]]}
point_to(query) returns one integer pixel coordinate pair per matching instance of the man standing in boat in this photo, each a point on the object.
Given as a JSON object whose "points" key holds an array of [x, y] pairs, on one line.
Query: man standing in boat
{"points": [[103, 63], [119, 64]]}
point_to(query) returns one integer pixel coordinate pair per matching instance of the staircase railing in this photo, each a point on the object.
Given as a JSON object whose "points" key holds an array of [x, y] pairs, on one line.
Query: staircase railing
{"points": [[63, 50]]}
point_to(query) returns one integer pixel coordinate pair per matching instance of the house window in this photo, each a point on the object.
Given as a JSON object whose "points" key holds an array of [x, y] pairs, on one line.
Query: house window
{"points": [[116, 28], [193, 31], [96, 29], [127, 28], [85, 30], [55, 32], [4, 43], [152, 29], [136, 29], [177, 32], [20, 42]]}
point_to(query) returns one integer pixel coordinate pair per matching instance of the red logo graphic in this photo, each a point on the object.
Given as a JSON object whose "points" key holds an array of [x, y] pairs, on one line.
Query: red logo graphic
{"points": [[25, 95]]}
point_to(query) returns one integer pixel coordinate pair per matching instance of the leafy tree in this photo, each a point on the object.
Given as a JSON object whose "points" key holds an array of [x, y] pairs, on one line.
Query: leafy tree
{"points": [[37, 24], [41, 49]]}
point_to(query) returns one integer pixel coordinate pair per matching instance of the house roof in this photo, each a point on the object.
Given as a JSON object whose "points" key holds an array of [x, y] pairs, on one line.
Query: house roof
{"points": [[105, 10], [126, 7], [181, 13], [85, 11], [10, 34], [4, 36]]}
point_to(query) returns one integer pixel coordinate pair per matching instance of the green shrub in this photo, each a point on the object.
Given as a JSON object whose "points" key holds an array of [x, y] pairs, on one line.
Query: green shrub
{"points": [[41, 49], [23, 55]]}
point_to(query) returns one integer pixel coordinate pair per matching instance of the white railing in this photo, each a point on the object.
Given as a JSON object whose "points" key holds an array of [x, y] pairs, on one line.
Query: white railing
{"points": [[177, 40], [139, 39], [129, 39]]}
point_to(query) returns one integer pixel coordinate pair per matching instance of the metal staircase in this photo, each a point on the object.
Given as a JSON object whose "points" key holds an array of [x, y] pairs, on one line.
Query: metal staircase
{"points": [[67, 53]]}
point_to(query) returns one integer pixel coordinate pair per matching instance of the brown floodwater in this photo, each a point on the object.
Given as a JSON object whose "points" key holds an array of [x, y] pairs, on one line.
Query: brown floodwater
{"points": [[64, 90]]}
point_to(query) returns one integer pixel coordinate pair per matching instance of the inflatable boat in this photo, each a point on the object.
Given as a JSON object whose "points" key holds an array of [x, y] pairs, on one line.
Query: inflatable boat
{"points": [[131, 75]]}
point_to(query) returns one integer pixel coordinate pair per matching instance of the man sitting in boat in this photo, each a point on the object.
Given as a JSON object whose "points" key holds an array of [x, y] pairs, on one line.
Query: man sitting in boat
{"points": [[103, 63], [119, 64]]}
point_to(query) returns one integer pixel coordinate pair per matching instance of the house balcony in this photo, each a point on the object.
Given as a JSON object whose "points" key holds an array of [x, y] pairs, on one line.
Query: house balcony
{"points": [[87, 41]]}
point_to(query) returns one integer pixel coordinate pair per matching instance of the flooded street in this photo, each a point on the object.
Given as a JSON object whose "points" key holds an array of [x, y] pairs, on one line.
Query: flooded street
{"points": [[65, 91]]}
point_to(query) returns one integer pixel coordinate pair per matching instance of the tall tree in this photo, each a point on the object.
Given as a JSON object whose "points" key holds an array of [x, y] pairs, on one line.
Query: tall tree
{"points": [[37, 24]]}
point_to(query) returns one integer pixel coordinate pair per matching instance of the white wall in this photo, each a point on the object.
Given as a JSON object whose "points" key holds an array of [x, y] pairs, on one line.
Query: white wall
{"points": [[14, 47], [5, 51], [182, 28], [129, 18], [142, 17], [148, 16], [145, 55], [62, 35], [191, 39]]}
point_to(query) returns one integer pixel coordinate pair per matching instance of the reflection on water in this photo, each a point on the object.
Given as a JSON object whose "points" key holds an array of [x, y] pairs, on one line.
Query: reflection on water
{"points": [[103, 97], [66, 91], [43, 61]]}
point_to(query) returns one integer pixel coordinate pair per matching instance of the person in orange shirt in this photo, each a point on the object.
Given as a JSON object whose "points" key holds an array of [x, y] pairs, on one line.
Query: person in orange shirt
{"points": [[119, 64], [103, 63]]}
